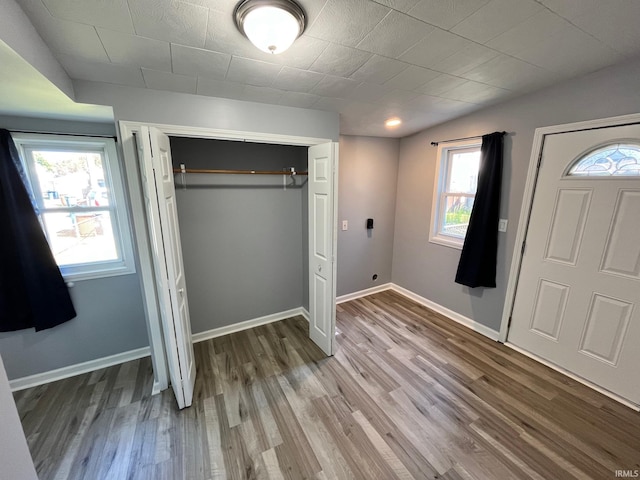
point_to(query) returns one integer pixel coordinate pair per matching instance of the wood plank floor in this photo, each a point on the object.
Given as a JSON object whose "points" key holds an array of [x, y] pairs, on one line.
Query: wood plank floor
{"points": [[409, 394]]}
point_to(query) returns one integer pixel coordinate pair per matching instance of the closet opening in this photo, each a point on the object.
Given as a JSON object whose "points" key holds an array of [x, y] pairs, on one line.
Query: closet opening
{"points": [[244, 235], [224, 251]]}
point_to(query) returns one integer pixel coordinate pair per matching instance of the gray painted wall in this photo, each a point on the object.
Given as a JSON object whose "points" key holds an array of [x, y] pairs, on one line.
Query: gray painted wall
{"points": [[367, 189], [242, 236], [15, 459], [110, 312], [429, 269], [154, 106], [110, 320]]}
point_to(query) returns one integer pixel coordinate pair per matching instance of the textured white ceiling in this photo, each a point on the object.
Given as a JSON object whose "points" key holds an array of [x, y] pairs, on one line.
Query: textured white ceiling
{"points": [[425, 61]]}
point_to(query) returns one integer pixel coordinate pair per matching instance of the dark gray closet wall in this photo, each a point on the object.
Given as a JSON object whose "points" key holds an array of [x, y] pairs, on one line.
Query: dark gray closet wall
{"points": [[243, 236]]}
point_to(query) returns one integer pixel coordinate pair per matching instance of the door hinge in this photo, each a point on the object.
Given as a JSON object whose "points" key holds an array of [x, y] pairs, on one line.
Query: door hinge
{"points": [[524, 247], [539, 160], [509, 322]]}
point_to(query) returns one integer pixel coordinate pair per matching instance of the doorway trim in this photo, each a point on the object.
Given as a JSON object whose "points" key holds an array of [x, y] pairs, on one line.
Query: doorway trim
{"points": [[528, 197], [126, 132]]}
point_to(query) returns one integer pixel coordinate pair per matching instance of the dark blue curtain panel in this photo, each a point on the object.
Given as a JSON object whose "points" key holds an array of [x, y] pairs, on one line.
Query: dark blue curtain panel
{"points": [[477, 267], [32, 290]]}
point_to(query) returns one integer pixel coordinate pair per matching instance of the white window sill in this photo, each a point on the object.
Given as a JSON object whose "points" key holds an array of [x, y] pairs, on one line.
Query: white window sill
{"points": [[96, 275], [451, 242]]}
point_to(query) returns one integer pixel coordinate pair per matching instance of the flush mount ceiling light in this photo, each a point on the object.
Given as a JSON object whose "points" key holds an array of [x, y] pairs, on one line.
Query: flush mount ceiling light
{"points": [[271, 25], [393, 122]]}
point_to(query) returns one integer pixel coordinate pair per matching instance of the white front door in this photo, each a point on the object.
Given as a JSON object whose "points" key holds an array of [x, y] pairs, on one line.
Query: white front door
{"points": [[170, 281], [322, 244], [578, 297]]}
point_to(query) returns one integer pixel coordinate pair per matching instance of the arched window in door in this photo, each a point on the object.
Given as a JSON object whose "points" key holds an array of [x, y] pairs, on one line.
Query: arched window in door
{"points": [[613, 160]]}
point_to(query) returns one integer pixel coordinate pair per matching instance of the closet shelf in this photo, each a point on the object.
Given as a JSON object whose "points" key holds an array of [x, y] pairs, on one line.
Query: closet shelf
{"points": [[238, 172]]}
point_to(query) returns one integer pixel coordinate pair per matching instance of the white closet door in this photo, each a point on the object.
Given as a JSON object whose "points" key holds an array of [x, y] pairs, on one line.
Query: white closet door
{"points": [[170, 280], [323, 160]]}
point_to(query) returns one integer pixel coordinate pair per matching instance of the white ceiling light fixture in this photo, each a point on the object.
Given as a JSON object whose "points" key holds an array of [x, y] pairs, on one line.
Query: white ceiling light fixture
{"points": [[393, 122], [271, 25]]}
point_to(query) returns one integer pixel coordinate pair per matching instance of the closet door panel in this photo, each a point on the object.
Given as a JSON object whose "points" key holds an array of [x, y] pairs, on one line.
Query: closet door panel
{"points": [[322, 245], [168, 264]]}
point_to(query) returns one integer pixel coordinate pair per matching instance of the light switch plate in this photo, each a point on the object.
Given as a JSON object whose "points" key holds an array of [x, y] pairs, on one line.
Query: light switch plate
{"points": [[502, 225], [345, 225]]}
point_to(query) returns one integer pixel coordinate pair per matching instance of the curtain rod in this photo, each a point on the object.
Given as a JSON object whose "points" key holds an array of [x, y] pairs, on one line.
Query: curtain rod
{"points": [[435, 144], [97, 135], [238, 172]]}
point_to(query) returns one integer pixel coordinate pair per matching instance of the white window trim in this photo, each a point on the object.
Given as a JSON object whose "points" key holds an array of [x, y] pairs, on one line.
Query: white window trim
{"points": [[125, 265], [437, 204]]}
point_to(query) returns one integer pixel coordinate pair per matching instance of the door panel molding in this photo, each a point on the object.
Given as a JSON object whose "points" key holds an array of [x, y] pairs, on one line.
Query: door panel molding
{"points": [[567, 225], [623, 240], [549, 306], [599, 340]]}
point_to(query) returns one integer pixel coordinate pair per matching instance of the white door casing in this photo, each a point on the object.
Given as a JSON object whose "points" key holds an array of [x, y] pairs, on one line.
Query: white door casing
{"points": [[169, 270], [577, 303], [322, 244]]}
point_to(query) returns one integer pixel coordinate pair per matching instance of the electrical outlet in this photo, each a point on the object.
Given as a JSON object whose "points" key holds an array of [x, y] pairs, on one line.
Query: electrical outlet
{"points": [[345, 225], [502, 225]]}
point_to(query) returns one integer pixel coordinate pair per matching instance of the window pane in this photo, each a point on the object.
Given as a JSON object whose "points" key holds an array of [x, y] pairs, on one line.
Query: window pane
{"points": [[70, 178], [77, 238], [457, 211], [463, 173], [79, 189], [613, 160]]}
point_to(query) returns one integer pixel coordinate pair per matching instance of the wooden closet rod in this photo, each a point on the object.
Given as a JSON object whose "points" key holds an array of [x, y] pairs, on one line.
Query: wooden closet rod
{"points": [[238, 172]]}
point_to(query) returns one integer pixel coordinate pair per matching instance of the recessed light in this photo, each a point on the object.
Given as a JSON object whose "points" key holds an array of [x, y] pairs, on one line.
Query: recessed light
{"points": [[393, 122], [271, 25]]}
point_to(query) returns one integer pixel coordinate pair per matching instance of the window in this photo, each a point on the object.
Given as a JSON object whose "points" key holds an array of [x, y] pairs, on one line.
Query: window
{"points": [[620, 160], [454, 192], [78, 189]]}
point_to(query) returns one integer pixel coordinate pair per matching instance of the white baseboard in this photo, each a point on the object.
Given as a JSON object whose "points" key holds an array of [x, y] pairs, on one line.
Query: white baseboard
{"points": [[363, 293], [305, 313], [455, 316], [577, 378], [77, 369], [254, 322], [156, 388]]}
